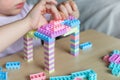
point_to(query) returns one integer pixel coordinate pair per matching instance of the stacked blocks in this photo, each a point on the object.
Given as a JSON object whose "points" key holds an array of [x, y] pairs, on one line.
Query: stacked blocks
{"points": [[13, 65], [38, 76], [48, 33], [74, 43], [85, 45], [28, 48], [114, 62], [81, 75], [52, 30], [49, 56]]}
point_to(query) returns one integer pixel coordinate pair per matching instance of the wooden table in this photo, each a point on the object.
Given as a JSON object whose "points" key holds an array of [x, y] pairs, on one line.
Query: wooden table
{"points": [[66, 63]]}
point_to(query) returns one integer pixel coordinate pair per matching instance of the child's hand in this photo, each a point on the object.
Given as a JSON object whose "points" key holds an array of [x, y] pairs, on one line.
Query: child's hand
{"points": [[36, 16], [68, 8]]}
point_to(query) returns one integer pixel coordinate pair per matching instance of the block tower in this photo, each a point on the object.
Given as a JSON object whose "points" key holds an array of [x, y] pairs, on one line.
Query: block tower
{"points": [[48, 33]]}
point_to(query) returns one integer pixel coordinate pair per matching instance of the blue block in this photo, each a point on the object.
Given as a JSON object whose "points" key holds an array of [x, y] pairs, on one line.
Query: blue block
{"points": [[0, 68], [85, 45], [72, 23], [3, 75], [115, 52], [61, 78], [116, 72], [87, 74], [13, 65], [74, 41], [44, 37]]}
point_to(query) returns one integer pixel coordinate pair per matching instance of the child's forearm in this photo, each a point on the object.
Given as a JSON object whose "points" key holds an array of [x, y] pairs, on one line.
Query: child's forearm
{"points": [[12, 32]]}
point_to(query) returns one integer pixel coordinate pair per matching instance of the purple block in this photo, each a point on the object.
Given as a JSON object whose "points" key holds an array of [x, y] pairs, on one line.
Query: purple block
{"points": [[113, 57]]}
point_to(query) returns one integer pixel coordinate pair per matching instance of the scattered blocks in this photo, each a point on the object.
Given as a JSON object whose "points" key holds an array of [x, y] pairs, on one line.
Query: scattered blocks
{"points": [[85, 45], [81, 75], [13, 65], [38, 76], [114, 62]]}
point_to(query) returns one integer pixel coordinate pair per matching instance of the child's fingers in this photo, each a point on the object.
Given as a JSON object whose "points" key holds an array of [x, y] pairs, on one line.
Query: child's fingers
{"points": [[63, 9], [48, 1], [73, 5], [53, 10], [68, 7]]}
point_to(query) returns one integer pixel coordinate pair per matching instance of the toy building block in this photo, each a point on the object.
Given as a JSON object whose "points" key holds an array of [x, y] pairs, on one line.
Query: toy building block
{"points": [[106, 58], [28, 48], [85, 45], [3, 75], [61, 78], [78, 78], [38, 76], [13, 65], [0, 68], [116, 72], [49, 56], [115, 58], [115, 52], [87, 74], [48, 33]]}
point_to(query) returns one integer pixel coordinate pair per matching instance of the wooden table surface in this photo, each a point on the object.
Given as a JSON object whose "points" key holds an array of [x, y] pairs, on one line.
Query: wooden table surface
{"points": [[66, 63]]}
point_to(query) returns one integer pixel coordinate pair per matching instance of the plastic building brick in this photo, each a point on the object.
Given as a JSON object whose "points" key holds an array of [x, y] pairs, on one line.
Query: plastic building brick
{"points": [[115, 58], [72, 23], [28, 48], [0, 68], [52, 30], [78, 78], [87, 74], [85, 45], [3, 75], [49, 56], [115, 52], [61, 78], [38, 76], [48, 33], [81, 75], [13, 65], [44, 37], [106, 59]]}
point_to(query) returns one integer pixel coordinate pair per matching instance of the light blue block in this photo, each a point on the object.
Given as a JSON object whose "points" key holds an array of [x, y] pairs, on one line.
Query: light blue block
{"points": [[3, 75], [61, 78], [13, 65], [0, 68], [44, 37], [85, 45]]}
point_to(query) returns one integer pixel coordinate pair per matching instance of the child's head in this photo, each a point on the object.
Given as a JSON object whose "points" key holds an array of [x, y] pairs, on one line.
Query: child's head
{"points": [[11, 7]]}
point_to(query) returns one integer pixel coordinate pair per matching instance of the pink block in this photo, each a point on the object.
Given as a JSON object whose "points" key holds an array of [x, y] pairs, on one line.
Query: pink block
{"points": [[38, 76], [77, 78], [74, 37], [106, 58]]}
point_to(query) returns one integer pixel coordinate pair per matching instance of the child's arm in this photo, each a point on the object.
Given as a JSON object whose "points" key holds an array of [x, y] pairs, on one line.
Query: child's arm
{"points": [[13, 31], [68, 8]]}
